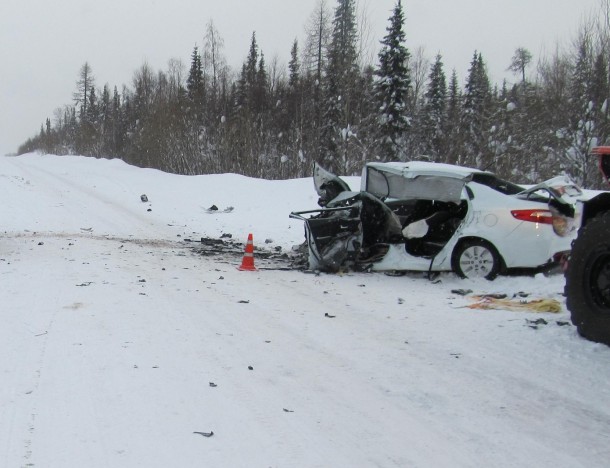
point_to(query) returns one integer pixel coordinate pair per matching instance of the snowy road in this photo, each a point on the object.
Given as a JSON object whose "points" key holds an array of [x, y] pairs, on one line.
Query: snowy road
{"points": [[112, 336]]}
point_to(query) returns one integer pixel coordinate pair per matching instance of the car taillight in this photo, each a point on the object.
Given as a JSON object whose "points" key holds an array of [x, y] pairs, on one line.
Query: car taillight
{"points": [[561, 224], [533, 216]]}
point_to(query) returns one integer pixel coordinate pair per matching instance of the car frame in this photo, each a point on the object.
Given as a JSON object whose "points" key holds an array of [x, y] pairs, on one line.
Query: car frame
{"points": [[475, 223]]}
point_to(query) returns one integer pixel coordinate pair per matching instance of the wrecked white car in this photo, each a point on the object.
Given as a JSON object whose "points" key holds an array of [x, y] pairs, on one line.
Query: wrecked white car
{"points": [[420, 216]]}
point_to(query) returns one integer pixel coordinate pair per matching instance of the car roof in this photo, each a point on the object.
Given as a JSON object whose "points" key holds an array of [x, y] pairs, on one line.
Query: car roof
{"points": [[423, 167]]}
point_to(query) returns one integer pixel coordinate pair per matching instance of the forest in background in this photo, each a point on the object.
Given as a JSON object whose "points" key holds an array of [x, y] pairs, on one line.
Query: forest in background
{"points": [[330, 105]]}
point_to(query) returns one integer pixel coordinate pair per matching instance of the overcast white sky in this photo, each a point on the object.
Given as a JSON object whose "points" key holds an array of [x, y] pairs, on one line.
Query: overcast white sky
{"points": [[44, 43]]}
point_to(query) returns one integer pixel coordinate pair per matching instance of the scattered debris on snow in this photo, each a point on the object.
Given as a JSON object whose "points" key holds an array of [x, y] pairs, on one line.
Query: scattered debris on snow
{"points": [[493, 301]]}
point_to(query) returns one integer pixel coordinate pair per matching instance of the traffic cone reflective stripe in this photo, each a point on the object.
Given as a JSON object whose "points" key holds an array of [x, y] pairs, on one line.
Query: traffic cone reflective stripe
{"points": [[247, 263]]}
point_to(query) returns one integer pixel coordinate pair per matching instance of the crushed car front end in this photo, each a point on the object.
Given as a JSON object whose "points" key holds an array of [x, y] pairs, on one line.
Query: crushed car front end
{"points": [[351, 231]]}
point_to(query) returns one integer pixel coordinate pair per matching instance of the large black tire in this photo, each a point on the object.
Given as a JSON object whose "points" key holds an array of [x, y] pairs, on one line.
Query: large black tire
{"points": [[476, 259], [588, 280]]}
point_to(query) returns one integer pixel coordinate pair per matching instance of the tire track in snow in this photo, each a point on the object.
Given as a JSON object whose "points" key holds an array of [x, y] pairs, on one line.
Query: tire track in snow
{"points": [[33, 391], [279, 368]]}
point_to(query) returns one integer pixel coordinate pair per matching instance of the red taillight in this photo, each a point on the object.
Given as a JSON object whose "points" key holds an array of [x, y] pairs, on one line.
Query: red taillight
{"points": [[533, 216]]}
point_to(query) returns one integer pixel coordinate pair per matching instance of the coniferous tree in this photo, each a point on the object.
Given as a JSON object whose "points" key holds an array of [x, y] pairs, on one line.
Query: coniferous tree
{"points": [[246, 126], [366, 138], [117, 130], [315, 56], [453, 140], [292, 124], [268, 121], [251, 70], [89, 139], [582, 132], [47, 137], [92, 113], [500, 141], [84, 86], [340, 83], [392, 88], [434, 117], [104, 125], [554, 82], [530, 163], [143, 150], [475, 115], [294, 67], [260, 89], [195, 87], [600, 93]]}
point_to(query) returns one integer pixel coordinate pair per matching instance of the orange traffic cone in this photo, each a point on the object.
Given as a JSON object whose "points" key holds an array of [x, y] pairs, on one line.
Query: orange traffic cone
{"points": [[247, 263]]}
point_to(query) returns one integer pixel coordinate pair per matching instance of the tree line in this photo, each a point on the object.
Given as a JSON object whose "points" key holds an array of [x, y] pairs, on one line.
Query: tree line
{"points": [[329, 105]]}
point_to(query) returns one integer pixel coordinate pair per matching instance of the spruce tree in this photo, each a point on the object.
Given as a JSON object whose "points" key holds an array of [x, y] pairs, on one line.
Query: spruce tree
{"points": [[252, 62], [294, 67], [117, 129], [532, 162], [475, 115], [392, 88], [291, 120], [452, 132], [195, 87], [249, 78], [433, 121], [260, 87], [105, 124], [89, 127], [342, 73]]}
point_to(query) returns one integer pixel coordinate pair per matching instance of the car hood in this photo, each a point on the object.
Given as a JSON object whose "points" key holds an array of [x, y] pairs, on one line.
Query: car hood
{"points": [[327, 185]]}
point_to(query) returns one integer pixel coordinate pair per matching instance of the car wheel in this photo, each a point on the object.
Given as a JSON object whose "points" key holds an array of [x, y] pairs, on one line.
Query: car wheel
{"points": [[476, 259], [588, 281]]}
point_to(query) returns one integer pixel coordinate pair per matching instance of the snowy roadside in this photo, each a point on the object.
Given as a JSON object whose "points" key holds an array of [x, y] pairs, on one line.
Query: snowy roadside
{"points": [[115, 328]]}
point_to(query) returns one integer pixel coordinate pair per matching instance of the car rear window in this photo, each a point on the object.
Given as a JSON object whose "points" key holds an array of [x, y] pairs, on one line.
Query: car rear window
{"points": [[497, 184]]}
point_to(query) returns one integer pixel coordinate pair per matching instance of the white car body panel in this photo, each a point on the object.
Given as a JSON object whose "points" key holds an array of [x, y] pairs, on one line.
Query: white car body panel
{"points": [[489, 219]]}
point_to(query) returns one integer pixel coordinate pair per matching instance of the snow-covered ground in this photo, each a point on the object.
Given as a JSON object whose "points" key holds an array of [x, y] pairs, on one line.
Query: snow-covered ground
{"points": [[120, 344]]}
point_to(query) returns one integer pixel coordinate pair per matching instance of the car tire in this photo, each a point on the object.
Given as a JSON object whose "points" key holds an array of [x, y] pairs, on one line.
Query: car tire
{"points": [[476, 259], [588, 281]]}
